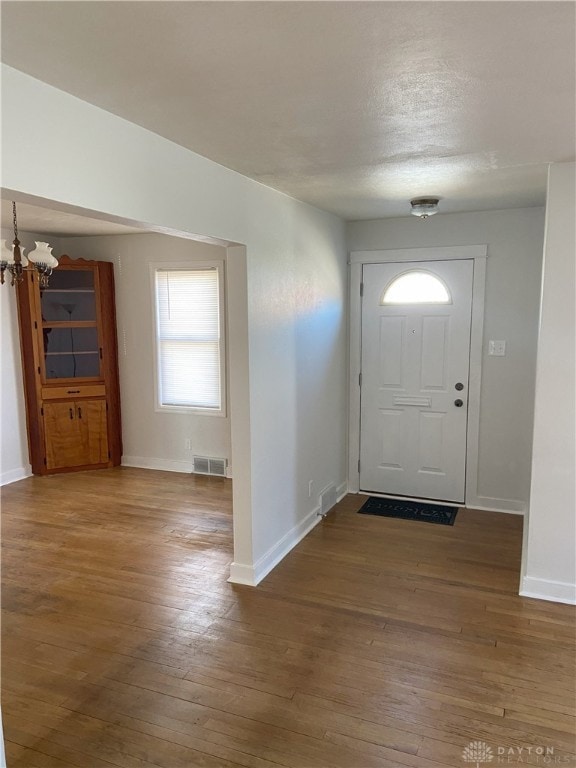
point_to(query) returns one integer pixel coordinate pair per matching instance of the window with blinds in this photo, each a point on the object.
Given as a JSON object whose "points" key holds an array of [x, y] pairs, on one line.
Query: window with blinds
{"points": [[189, 343]]}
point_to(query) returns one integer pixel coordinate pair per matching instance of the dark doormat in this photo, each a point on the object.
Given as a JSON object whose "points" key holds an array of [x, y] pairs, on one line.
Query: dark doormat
{"points": [[409, 510]]}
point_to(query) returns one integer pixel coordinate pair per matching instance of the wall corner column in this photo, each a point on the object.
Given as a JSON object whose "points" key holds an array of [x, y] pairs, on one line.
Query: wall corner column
{"points": [[549, 555]]}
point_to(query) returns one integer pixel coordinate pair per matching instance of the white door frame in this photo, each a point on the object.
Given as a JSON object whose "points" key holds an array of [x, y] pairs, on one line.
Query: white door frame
{"points": [[479, 253]]}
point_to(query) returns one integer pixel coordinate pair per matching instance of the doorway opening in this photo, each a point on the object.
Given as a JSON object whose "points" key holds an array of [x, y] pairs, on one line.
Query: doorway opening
{"points": [[65, 225]]}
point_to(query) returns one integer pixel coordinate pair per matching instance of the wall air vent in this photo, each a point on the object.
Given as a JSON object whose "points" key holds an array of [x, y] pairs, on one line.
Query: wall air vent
{"points": [[204, 465]]}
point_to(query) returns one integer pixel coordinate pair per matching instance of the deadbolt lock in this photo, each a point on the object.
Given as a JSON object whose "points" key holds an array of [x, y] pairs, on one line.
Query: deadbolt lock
{"points": [[459, 386]]}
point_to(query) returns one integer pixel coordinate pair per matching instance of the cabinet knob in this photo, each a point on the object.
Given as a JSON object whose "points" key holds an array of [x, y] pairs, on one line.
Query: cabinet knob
{"points": [[71, 412]]}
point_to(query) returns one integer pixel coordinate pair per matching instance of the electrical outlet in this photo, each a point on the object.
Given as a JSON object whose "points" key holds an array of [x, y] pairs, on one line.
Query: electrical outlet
{"points": [[187, 444], [310, 483], [497, 348]]}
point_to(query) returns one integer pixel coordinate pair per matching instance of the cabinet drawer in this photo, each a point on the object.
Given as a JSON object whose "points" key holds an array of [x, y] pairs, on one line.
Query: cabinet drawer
{"points": [[71, 391]]}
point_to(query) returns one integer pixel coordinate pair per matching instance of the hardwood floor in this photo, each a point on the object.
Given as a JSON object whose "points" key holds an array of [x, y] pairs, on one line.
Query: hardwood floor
{"points": [[377, 642]]}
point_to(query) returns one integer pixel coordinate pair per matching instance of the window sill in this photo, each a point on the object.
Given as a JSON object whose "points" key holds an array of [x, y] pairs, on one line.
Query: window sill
{"points": [[190, 410]]}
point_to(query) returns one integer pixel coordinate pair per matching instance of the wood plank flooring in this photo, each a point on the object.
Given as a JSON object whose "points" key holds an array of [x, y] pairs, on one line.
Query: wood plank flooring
{"points": [[376, 643]]}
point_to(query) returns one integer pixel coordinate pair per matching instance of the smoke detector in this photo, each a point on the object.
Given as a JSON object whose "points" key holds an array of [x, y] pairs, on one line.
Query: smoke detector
{"points": [[424, 206]]}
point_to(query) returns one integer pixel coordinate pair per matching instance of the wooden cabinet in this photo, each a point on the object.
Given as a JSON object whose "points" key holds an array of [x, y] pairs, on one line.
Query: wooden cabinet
{"points": [[76, 433], [69, 354]]}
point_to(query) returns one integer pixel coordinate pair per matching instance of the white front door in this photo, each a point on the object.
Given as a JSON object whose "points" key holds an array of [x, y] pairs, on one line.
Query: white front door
{"points": [[414, 392]]}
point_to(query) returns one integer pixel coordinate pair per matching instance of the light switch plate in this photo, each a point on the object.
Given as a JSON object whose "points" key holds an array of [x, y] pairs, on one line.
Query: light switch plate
{"points": [[497, 348]]}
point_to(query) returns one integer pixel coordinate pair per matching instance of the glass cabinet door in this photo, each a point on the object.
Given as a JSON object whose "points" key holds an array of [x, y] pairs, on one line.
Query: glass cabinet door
{"points": [[70, 342]]}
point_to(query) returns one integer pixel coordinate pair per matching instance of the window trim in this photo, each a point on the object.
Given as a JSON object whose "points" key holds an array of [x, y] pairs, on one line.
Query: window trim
{"points": [[189, 266]]}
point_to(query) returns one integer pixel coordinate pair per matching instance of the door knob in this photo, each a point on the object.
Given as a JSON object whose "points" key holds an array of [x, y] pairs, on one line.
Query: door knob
{"points": [[458, 403], [459, 386]]}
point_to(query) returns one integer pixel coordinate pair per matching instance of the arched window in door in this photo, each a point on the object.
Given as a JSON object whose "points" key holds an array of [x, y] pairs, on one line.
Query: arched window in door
{"points": [[416, 287]]}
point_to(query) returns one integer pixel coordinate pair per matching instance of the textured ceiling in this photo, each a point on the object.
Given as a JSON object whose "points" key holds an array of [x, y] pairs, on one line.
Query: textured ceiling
{"points": [[355, 107]]}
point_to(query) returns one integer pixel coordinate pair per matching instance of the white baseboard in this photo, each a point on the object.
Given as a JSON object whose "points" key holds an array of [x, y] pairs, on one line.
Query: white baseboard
{"points": [[341, 491], [2, 752], [167, 465], [242, 574], [489, 504], [13, 475], [544, 589], [252, 575]]}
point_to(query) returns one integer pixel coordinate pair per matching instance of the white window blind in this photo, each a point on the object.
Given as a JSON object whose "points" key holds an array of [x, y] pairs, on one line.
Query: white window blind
{"points": [[188, 338]]}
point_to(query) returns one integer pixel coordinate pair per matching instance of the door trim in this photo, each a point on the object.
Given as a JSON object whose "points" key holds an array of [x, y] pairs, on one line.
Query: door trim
{"points": [[479, 254]]}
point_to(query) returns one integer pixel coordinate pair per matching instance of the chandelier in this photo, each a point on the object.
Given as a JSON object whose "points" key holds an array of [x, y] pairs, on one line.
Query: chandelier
{"points": [[39, 260]]}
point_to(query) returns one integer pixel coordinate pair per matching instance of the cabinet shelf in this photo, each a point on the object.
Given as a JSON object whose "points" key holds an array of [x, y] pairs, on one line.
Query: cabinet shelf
{"points": [[69, 324], [67, 290]]}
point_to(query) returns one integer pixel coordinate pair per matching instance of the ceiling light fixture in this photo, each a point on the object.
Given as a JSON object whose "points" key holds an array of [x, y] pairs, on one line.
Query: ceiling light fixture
{"points": [[13, 259], [424, 206]]}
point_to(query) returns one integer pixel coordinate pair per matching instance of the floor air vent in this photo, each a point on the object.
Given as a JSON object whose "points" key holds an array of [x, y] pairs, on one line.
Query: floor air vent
{"points": [[203, 465]]}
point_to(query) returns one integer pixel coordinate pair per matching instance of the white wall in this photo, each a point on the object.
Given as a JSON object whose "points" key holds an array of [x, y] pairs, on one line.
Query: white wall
{"points": [[514, 239], [14, 459], [14, 462], [150, 438], [289, 296], [549, 568]]}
